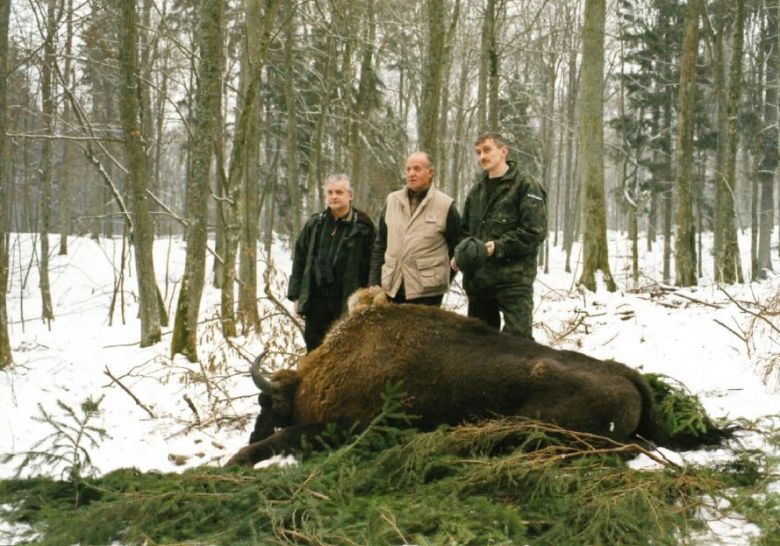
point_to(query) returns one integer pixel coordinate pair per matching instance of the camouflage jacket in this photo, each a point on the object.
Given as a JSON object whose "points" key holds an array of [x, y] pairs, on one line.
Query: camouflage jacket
{"points": [[514, 217]]}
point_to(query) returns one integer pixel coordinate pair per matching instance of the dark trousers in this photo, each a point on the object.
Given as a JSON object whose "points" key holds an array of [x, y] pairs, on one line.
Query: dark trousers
{"points": [[323, 312], [400, 297], [516, 303]]}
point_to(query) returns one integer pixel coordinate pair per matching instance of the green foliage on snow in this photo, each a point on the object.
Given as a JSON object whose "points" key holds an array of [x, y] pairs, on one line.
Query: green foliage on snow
{"points": [[501, 482]]}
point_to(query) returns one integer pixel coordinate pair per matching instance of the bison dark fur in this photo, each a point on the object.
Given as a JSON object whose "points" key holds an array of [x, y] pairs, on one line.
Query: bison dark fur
{"points": [[453, 369]]}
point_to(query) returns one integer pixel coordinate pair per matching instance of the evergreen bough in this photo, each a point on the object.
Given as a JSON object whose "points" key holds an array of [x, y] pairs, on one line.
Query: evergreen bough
{"points": [[682, 414], [500, 482]]}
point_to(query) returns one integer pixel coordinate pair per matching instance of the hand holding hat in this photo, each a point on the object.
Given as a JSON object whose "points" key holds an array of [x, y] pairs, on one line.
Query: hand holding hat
{"points": [[470, 255]]}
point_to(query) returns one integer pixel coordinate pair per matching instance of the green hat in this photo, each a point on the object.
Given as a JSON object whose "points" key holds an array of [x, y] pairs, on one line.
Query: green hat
{"points": [[470, 254]]}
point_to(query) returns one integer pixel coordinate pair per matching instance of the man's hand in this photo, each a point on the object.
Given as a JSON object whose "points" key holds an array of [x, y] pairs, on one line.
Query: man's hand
{"points": [[491, 248], [454, 265]]}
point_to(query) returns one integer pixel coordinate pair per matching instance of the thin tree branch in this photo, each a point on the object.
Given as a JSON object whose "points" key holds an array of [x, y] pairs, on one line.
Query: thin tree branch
{"points": [[128, 391]]}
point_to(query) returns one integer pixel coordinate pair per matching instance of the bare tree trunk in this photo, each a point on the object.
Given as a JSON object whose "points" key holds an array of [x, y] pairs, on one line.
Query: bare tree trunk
{"points": [[47, 174], [246, 132], [493, 68], [488, 61], [294, 211], [652, 219], [442, 139], [718, 62], [315, 197], [137, 173], [459, 147], [548, 135], [6, 357], [68, 153], [207, 110], [685, 237], [729, 267], [767, 168], [571, 209], [668, 195], [444, 128], [667, 201], [254, 61], [360, 108], [591, 143], [559, 170], [432, 77]]}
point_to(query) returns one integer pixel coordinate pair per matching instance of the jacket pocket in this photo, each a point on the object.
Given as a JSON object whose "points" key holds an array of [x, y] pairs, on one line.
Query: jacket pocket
{"points": [[501, 224], [434, 272]]}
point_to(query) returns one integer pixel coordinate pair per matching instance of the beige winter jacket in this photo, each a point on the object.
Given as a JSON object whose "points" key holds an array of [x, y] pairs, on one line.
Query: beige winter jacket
{"points": [[417, 253]]}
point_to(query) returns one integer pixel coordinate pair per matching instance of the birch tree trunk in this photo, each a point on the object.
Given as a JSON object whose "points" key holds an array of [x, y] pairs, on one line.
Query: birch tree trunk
{"points": [[591, 146]]}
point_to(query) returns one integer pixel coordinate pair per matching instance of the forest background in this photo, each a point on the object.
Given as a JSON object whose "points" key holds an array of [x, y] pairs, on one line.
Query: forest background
{"points": [[159, 156], [218, 120]]}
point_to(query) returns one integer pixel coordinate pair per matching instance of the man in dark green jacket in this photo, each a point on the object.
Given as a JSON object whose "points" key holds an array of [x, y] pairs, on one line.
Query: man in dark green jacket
{"points": [[507, 211], [330, 261]]}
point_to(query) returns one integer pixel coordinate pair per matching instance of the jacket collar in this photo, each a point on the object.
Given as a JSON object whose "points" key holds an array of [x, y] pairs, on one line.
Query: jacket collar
{"points": [[508, 175], [428, 195], [502, 186]]}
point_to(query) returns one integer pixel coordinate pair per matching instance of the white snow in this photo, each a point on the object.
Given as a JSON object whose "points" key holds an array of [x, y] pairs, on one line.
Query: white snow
{"points": [[699, 336]]}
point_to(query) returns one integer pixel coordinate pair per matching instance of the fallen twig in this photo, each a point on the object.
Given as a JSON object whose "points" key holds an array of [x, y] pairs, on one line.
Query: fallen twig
{"points": [[128, 391], [191, 404], [694, 300], [749, 312], [573, 325], [740, 336]]}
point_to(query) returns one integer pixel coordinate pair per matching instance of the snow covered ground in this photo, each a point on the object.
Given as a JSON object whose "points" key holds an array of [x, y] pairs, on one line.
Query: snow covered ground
{"points": [[169, 414]]}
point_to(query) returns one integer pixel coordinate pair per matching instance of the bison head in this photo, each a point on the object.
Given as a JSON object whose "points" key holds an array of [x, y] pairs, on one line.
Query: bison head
{"points": [[276, 399]]}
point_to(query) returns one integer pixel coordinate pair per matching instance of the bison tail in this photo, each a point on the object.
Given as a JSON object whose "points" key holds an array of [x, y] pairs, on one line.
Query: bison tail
{"points": [[651, 427]]}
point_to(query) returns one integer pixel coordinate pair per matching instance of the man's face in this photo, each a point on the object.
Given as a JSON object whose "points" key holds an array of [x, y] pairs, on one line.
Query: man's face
{"points": [[339, 197], [490, 155], [419, 172]]}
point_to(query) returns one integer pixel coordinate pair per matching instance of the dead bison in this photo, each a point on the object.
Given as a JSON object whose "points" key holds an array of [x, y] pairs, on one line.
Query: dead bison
{"points": [[453, 369]]}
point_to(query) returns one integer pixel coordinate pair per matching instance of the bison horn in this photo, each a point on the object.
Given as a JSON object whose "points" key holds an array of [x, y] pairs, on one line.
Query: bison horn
{"points": [[268, 387]]}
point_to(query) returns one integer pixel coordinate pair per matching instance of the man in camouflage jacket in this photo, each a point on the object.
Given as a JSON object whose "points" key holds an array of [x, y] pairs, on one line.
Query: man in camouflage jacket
{"points": [[507, 210]]}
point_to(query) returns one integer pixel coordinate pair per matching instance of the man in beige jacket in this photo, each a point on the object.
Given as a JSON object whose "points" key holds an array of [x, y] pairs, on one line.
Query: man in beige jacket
{"points": [[416, 238]]}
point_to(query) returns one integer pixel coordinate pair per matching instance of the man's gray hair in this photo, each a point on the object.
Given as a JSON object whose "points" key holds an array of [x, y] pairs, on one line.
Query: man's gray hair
{"points": [[338, 177], [427, 155]]}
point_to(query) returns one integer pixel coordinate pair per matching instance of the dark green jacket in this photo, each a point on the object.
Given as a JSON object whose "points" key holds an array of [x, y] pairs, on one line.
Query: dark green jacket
{"points": [[515, 218], [354, 256]]}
